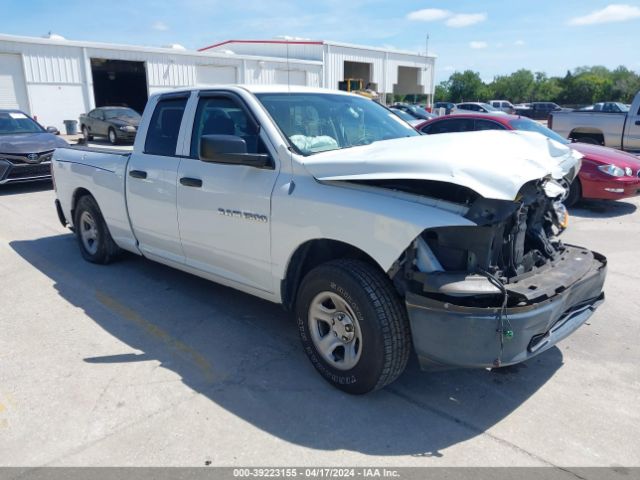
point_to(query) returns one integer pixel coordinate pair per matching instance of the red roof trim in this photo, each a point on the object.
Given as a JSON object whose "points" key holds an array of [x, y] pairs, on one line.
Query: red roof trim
{"points": [[291, 42]]}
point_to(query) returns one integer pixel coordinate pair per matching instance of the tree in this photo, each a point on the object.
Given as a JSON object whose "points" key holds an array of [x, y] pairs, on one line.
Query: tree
{"points": [[466, 86], [442, 92], [585, 85]]}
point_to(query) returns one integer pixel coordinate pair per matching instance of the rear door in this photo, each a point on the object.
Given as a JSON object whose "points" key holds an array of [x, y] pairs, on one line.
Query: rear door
{"points": [[92, 122], [224, 210], [631, 139], [152, 178]]}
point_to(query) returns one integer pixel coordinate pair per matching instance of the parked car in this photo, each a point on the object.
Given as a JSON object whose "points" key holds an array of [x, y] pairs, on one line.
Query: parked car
{"points": [[413, 110], [617, 130], [609, 107], [410, 119], [504, 105], [476, 107], [116, 123], [539, 110], [377, 237], [605, 173], [25, 148], [449, 107]]}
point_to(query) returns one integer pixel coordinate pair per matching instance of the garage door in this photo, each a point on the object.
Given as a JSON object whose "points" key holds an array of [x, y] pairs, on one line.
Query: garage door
{"points": [[13, 91], [294, 77], [209, 75]]}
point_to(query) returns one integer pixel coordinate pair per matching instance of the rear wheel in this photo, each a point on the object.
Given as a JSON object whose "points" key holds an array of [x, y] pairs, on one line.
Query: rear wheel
{"points": [[85, 133], [353, 325], [113, 138], [94, 239]]}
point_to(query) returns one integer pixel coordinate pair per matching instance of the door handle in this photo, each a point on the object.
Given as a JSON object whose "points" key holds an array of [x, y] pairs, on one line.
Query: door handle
{"points": [[137, 174], [191, 182]]}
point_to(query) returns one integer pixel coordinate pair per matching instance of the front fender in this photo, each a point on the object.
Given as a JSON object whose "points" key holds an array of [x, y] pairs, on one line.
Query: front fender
{"points": [[379, 222]]}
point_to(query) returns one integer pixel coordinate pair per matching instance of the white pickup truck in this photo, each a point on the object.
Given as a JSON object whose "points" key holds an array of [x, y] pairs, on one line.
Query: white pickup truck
{"points": [[612, 129], [327, 203]]}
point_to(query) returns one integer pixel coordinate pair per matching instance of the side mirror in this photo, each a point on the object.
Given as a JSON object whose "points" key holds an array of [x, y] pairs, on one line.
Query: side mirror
{"points": [[231, 149], [53, 130]]}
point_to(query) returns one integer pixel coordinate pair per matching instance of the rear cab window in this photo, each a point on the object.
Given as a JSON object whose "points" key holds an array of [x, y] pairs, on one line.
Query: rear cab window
{"points": [[164, 127]]}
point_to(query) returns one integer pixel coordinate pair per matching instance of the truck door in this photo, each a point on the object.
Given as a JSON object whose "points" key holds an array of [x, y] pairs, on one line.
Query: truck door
{"points": [[151, 181], [224, 210], [631, 140]]}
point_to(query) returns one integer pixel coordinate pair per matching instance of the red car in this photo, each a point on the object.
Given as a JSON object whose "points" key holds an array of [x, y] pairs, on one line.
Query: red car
{"points": [[605, 174]]}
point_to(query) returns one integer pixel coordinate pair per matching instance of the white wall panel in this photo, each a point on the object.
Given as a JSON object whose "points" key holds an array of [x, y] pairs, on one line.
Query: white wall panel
{"points": [[13, 92], [53, 104], [217, 74]]}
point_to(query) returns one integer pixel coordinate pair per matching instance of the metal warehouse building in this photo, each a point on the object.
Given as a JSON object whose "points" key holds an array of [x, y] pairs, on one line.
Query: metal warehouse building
{"points": [[388, 71], [56, 79]]}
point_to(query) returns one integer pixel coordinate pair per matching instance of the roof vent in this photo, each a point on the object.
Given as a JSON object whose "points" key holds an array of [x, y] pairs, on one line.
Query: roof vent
{"points": [[289, 38], [174, 46], [53, 36]]}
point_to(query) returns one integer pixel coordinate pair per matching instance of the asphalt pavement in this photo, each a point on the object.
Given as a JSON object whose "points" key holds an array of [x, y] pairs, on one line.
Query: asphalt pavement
{"points": [[138, 364]]}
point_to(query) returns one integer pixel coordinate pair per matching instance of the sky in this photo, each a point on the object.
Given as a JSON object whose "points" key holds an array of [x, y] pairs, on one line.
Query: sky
{"points": [[491, 37]]}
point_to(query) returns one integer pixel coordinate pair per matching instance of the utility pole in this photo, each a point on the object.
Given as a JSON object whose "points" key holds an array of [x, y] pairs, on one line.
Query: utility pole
{"points": [[426, 67]]}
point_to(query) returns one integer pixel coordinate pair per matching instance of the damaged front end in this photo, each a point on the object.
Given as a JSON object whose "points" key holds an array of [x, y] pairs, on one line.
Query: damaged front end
{"points": [[501, 291]]}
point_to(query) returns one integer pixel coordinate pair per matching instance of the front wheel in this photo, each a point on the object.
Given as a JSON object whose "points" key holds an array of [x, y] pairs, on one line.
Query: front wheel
{"points": [[113, 138], [575, 193], [353, 325], [94, 239]]}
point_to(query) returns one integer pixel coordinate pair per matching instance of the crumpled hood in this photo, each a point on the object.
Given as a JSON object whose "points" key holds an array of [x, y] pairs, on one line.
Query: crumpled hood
{"points": [[30, 143], [495, 164]]}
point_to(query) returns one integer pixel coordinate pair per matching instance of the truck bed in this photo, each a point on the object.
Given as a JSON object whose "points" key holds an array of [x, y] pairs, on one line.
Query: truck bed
{"points": [[101, 172], [604, 125]]}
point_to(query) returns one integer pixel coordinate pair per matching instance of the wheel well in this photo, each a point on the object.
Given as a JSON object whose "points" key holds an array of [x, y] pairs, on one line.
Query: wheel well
{"points": [[77, 195], [594, 134], [311, 254]]}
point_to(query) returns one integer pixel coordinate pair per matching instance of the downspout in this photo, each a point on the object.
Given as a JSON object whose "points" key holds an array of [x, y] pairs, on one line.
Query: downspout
{"points": [[26, 84]]}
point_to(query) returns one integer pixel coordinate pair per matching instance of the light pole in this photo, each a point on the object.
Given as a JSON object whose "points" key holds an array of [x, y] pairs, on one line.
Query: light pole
{"points": [[426, 68]]}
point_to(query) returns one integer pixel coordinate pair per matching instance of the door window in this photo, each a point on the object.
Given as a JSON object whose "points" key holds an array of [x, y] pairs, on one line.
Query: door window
{"points": [[162, 137], [451, 126], [488, 125], [224, 116]]}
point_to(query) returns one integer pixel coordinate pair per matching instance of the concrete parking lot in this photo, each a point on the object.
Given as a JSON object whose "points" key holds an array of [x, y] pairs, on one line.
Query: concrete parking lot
{"points": [[138, 364]]}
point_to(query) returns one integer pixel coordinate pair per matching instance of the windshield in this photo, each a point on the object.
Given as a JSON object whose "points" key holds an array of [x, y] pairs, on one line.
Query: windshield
{"points": [[318, 122], [489, 108], [17, 122], [121, 113], [403, 115], [531, 126]]}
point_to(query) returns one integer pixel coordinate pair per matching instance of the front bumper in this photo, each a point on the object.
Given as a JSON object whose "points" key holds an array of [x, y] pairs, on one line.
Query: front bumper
{"points": [[610, 189], [448, 335], [126, 136], [24, 172]]}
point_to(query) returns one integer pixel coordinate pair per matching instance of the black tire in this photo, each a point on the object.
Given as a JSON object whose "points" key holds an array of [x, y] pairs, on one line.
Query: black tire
{"points": [[112, 136], [575, 193], [85, 134], [381, 317], [103, 250]]}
